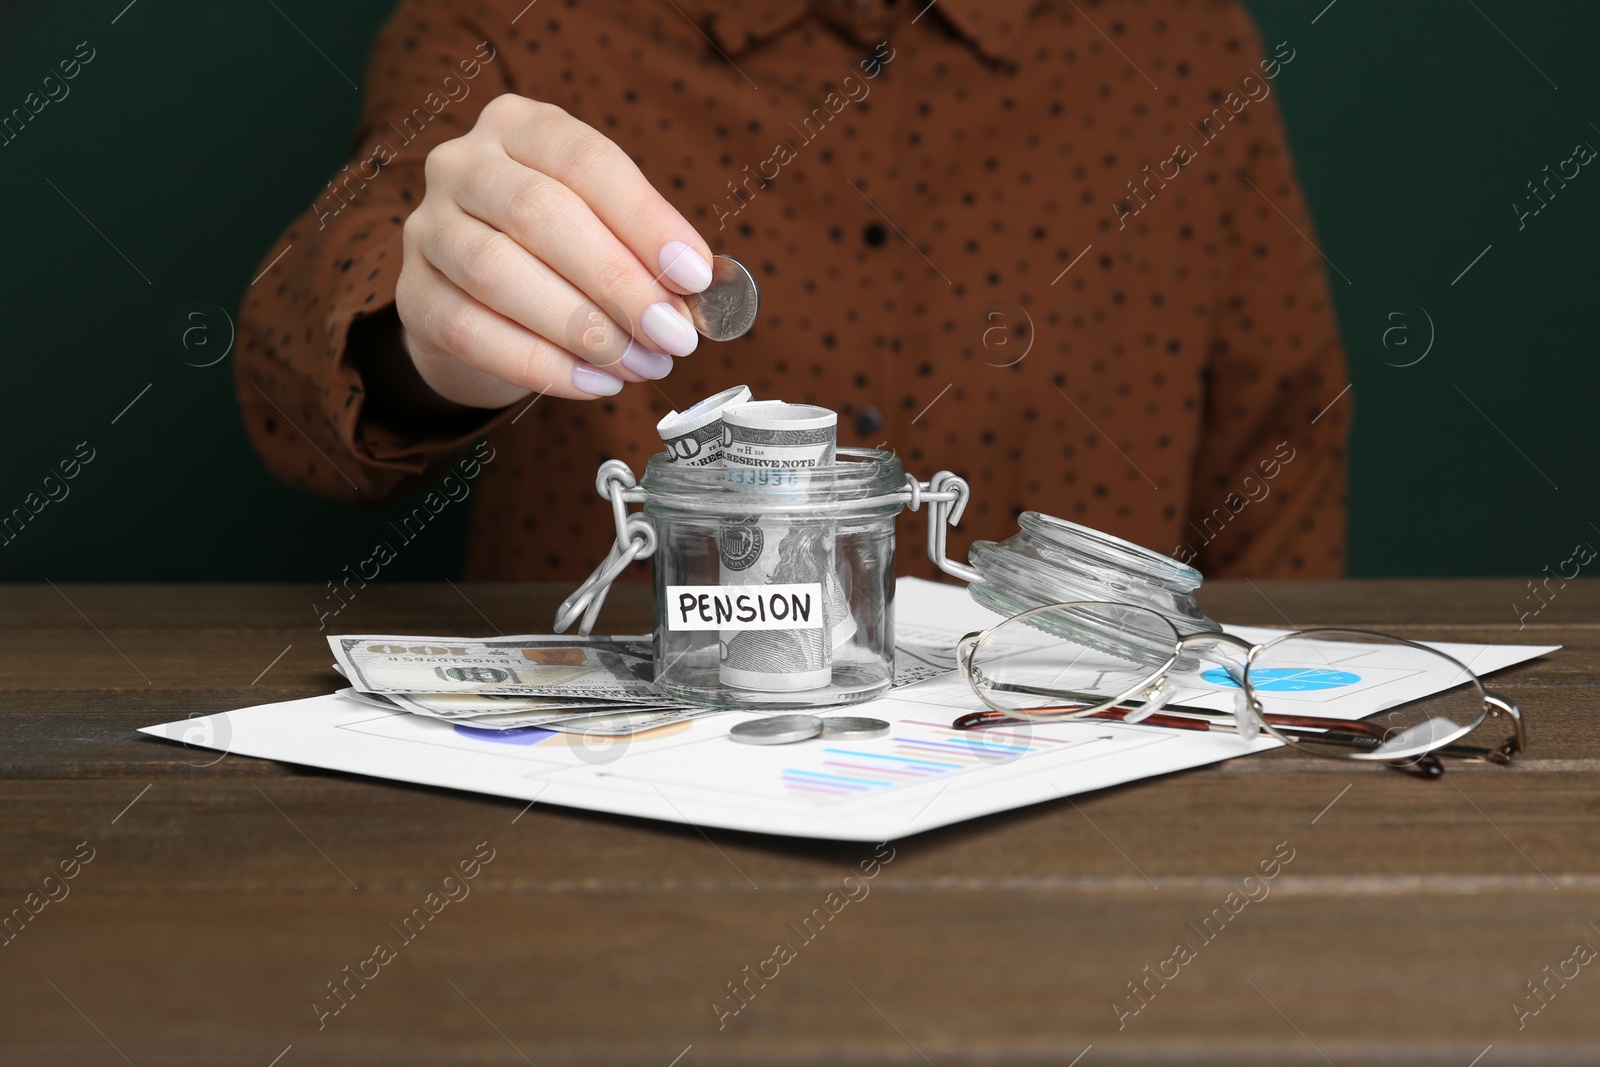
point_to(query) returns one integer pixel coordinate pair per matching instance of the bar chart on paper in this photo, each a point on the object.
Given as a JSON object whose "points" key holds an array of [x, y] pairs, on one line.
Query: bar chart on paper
{"points": [[920, 755], [831, 772]]}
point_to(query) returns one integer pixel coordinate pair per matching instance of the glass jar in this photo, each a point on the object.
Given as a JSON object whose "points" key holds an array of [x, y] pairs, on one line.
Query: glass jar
{"points": [[1050, 560], [775, 588]]}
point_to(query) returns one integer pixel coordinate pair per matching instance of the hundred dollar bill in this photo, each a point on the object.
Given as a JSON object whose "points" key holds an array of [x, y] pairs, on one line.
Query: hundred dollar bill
{"points": [[611, 720], [777, 434], [770, 551], [617, 723], [777, 550], [694, 437], [465, 706], [604, 724], [698, 437], [531, 665], [773, 435], [469, 707], [372, 700]]}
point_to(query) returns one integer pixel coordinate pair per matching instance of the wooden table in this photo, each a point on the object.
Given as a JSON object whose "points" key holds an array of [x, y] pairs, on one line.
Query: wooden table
{"points": [[224, 895]]}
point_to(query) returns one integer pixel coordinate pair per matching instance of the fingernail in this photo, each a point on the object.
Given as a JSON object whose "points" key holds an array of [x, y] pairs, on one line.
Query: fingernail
{"points": [[685, 266], [595, 382], [669, 330], [645, 363]]}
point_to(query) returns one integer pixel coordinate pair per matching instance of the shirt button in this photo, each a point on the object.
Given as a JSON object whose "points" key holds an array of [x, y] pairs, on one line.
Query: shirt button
{"points": [[868, 421]]}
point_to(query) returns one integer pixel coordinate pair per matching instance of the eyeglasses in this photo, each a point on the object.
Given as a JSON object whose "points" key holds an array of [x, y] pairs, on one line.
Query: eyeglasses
{"points": [[1096, 660]]}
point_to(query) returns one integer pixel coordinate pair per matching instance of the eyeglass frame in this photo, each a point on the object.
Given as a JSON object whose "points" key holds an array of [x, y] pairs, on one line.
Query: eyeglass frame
{"points": [[1152, 684]]}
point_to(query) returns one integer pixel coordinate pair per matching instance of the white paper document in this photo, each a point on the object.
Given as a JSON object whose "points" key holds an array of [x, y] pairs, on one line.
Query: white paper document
{"points": [[922, 775]]}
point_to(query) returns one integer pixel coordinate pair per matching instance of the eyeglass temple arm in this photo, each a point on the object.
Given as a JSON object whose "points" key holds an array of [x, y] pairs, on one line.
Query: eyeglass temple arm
{"points": [[975, 719], [1178, 721], [1518, 739], [1354, 726]]}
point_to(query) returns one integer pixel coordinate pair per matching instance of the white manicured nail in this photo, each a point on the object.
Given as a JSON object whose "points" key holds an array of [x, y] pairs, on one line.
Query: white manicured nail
{"points": [[683, 265], [594, 382], [645, 363], [670, 331]]}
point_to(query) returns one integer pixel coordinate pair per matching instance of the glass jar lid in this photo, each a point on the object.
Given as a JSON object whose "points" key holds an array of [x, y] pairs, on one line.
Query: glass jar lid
{"points": [[1050, 560]]}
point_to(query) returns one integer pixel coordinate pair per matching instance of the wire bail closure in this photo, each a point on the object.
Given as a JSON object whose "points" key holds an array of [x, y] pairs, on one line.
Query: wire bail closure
{"points": [[945, 493], [635, 539]]}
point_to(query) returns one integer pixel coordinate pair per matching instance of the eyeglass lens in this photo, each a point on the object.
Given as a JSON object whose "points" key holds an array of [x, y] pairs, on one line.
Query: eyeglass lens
{"points": [[1293, 676]]}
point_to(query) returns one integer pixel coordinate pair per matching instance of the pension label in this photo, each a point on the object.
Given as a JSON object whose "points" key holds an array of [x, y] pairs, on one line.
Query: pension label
{"points": [[795, 606]]}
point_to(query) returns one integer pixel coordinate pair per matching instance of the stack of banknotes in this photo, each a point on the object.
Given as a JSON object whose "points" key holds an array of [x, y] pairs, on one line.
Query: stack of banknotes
{"points": [[592, 685], [599, 685], [604, 685]]}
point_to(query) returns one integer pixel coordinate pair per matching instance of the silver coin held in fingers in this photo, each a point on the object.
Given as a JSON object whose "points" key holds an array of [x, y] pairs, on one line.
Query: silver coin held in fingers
{"points": [[777, 730], [727, 308]]}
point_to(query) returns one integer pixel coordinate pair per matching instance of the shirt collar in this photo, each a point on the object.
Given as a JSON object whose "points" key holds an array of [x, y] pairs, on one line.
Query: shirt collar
{"points": [[993, 27], [736, 26]]}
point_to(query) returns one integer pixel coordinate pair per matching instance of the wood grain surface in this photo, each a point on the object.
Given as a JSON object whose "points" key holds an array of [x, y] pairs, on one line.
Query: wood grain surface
{"points": [[224, 895]]}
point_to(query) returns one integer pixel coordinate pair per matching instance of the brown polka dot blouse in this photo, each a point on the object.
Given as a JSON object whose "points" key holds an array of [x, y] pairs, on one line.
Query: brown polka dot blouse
{"points": [[1055, 247]]}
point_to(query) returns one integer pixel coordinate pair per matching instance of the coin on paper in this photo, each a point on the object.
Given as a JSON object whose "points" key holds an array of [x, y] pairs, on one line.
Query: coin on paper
{"points": [[853, 728], [727, 307], [777, 730]]}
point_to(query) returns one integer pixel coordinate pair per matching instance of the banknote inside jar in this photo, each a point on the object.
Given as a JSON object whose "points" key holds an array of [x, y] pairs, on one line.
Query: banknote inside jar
{"points": [[768, 436], [765, 447]]}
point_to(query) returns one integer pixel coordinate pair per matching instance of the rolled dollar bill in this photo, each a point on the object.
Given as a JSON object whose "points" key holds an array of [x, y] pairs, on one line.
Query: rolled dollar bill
{"points": [[775, 434], [778, 550], [694, 437]]}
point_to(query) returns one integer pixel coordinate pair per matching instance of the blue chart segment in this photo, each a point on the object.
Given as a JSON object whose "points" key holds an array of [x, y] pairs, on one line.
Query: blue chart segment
{"points": [[1286, 679], [841, 772], [522, 735]]}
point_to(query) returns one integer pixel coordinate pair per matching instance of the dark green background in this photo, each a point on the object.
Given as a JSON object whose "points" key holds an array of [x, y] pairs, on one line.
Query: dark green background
{"points": [[201, 128]]}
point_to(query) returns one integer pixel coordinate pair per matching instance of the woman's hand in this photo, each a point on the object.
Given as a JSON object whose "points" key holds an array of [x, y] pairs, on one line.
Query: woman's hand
{"points": [[540, 259]]}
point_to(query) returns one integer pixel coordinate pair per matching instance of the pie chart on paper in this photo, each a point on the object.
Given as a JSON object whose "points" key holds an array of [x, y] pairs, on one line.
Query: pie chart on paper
{"points": [[1286, 679]]}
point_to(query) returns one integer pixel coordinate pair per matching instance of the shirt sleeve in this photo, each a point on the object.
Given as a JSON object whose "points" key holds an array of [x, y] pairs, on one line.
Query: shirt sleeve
{"points": [[326, 288], [1268, 492]]}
